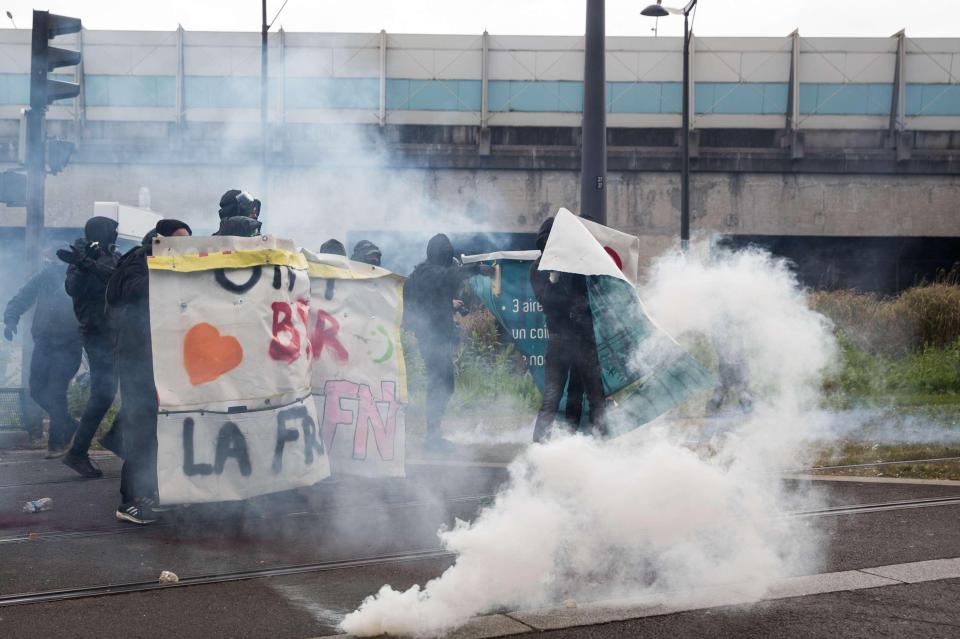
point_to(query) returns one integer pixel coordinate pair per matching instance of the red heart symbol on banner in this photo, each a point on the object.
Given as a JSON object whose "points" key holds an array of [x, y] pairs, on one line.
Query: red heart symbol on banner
{"points": [[207, 354]]}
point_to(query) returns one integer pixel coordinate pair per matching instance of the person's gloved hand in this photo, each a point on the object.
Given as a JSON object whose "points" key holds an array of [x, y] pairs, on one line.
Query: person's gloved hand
{"points": [[9, 330], [486, 270], [70, 256]]}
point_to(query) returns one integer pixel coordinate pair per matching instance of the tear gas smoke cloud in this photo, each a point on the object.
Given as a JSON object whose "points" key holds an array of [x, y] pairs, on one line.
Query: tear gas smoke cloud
{"points": [[642, 515], [358, 185]]}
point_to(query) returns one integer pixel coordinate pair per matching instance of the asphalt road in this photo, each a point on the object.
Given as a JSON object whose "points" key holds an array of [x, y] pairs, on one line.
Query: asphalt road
{"points": [[929, 610], [79, 544]]}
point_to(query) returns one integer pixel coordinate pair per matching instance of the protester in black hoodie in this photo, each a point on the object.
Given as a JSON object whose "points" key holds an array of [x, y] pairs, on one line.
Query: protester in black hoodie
{"points": [[128, 302], [56, 348], [92, 261], [571, 345], [429, 301], [238, 214], [367, 252]]}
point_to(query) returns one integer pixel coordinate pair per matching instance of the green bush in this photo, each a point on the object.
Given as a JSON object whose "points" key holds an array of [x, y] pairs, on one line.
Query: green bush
{"points": [[490, 375], [928, 375]]}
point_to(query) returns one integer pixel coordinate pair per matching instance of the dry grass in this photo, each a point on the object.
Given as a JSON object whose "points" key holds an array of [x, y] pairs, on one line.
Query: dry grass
{"points": [[923, 316], [851, 452]]}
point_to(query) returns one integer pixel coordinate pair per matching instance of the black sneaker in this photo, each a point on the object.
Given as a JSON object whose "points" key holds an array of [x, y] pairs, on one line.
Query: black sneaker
{"points": [[155, 506], [56, 451], [136, 514], [82, 465]]}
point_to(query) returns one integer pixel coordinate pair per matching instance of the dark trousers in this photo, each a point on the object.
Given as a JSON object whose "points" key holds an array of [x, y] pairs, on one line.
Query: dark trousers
{"points": [[103, 388], [138, 476], [53, 365], [438, 360], [138, 419], [570, 355]]}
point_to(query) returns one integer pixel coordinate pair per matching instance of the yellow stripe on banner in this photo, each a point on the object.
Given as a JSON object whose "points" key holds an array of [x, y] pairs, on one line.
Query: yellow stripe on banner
{"points": [[330, 272], [227, 259]]}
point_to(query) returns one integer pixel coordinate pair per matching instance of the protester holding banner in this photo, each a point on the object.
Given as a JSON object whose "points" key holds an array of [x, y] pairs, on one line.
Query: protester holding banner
{"points": [[127, 298], [571, 347], [92, 261], [429, 301]]}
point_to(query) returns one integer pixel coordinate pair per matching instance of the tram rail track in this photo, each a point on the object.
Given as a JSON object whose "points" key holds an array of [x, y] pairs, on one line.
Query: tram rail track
{"points": [[83, 592], [86, 592]]}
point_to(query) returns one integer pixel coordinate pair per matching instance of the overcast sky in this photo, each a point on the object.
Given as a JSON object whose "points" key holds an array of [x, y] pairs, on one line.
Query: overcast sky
{"points": [[877, 18]]}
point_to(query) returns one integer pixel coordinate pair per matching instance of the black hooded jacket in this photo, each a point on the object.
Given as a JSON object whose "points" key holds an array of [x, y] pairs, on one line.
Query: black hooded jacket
{"points": [[128, 297], [87, 279], [429, 291], [53, 318], [566, 305]]}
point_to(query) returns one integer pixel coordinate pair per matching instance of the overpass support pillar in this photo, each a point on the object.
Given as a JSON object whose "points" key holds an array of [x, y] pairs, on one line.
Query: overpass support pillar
{"points": [[483, 135], [900, 138], [792, 137]]}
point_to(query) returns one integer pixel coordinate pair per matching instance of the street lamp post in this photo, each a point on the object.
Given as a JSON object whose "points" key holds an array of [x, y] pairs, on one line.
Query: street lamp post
{"points": [[659, 11], [264, 91], [264, 78]]}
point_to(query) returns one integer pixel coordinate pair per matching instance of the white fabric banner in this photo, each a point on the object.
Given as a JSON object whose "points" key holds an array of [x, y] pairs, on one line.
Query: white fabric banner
{"points": [[359, 377], [612, 253], [232, 364]]}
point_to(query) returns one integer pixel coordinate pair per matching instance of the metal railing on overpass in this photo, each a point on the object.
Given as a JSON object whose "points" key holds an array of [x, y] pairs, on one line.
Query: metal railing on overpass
{"points": [[488, 80]]}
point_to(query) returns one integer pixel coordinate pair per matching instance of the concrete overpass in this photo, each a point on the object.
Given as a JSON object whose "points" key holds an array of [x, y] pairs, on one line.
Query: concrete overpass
{"points": [[793, 136]]}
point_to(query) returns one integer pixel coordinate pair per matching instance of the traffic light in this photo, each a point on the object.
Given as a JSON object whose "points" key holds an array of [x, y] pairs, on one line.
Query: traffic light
{"points": [[44, 58]]}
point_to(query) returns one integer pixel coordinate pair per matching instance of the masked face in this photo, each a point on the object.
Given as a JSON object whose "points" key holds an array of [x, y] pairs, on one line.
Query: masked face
{"points": [[247, 206]]}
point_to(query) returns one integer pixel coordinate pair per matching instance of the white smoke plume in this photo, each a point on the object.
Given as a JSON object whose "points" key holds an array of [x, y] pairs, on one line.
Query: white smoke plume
{"points": [[643, 515]]}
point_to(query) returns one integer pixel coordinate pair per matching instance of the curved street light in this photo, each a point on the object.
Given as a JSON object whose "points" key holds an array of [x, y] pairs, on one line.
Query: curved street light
{"points": [[659, 11]]}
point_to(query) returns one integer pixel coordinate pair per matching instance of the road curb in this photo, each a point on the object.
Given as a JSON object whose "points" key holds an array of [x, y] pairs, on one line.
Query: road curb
{"points": [[522, 622], [873, 480]]}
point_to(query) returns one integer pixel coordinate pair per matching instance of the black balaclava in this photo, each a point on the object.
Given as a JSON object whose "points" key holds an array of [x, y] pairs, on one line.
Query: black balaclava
{"points": [[367, 252], [168, 227], [440, 250], [101, 229], [333, 247], [239, 226], [544, 233], [228, 203]]}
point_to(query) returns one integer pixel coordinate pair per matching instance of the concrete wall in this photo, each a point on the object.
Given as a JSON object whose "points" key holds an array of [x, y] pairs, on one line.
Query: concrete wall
{"points": [[313, 203]]}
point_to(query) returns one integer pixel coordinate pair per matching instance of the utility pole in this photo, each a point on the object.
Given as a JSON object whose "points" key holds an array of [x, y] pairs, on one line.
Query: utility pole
{"points": [[593, 154], [685, 134]]}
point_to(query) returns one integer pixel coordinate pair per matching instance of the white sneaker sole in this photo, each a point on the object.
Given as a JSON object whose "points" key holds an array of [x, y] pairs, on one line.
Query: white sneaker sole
{"points": [[122, 516]]}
